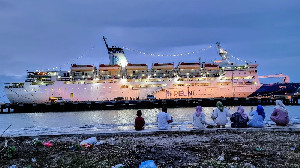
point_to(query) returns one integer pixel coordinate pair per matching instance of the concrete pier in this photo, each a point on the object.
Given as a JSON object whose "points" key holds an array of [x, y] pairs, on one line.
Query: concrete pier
{"points": [[142, 104]]}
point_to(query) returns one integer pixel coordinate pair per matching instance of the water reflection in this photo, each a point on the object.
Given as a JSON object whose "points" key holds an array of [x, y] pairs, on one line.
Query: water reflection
{"points": [[105, 120]]}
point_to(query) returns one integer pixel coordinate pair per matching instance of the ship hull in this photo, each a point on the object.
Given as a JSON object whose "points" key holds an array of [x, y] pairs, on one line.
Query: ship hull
{"points": [[276, 89], [87, 91]]}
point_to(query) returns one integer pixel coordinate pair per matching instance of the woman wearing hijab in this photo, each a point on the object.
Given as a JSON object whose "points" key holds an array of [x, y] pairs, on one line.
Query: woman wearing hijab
{"points": [[239, 119], [258, 117], [280, 114], [220, 115], [199, 118]]}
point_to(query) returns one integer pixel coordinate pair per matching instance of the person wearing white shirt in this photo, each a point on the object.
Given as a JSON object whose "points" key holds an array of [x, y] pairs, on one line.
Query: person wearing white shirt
{"points": [[163, 119], [199, 121], [220, 115]]}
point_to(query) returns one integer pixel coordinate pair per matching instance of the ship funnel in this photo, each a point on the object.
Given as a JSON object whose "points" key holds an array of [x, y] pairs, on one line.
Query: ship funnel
{"points": [[116, 55]]}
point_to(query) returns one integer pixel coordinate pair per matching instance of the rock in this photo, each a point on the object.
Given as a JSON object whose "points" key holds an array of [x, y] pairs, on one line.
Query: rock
{"points": [[249, 165], [221, 158], [235, 158]]}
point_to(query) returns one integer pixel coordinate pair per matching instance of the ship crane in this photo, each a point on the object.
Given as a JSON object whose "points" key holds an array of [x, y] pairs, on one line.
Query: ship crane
{"points": [[286, 79], [105, 42]]}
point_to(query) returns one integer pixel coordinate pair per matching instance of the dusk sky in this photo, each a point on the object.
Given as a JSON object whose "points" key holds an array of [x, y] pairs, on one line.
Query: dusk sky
{"points": [[38, 35]]}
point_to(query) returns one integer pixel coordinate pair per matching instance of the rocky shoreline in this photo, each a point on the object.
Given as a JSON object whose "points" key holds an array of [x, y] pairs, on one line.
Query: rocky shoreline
{"points": [[272, 147]]}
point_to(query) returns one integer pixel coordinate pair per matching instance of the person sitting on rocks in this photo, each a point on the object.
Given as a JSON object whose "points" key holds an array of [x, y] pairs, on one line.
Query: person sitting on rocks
{"points": [[280, 114], [139, 121], [163, 119], [199, 118], [258, 117], [239, 119], [220, 115]]}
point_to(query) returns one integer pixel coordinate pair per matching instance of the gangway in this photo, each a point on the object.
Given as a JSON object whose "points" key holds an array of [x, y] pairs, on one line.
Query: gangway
{"points": [[286, 79]]}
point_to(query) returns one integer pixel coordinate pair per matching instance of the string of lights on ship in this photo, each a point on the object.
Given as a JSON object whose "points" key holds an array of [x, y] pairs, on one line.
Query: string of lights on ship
{"points": [[143, 53]]}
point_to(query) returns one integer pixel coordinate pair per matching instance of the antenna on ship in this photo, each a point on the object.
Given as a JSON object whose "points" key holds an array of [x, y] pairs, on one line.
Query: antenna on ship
{"points": [[105, 42], [222, 52]]}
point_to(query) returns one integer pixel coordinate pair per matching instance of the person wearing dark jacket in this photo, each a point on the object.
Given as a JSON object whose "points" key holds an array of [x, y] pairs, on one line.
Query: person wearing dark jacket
{"points": [[239, 119], [139, 121], [257, 120]]}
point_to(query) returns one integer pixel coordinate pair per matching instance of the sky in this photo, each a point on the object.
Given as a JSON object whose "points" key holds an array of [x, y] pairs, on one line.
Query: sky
{"points": [[38, 35]]}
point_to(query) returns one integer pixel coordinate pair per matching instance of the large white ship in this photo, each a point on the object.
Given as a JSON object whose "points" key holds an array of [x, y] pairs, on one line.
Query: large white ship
{"points": [[120, 79]]}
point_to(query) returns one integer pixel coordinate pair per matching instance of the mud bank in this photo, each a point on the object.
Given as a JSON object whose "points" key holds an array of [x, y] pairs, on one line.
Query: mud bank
{"points": [[273, 147]]}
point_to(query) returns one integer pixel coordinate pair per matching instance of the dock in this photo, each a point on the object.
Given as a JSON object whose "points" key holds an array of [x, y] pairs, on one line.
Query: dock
{"points": [[141, 104]]}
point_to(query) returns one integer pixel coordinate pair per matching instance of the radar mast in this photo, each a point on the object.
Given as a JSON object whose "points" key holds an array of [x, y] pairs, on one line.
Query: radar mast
{"points": [[223, 53]]}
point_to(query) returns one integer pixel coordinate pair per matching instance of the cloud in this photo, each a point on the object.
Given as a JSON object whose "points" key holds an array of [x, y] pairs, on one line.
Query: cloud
{"points": [[44, 34]]}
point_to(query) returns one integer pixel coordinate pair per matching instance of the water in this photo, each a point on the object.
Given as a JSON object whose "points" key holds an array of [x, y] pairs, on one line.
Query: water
{"points": [[108, 120]]}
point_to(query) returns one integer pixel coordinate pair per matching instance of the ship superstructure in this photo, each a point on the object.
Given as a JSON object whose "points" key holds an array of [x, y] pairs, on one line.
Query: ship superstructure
{"points": [[134, 81]]}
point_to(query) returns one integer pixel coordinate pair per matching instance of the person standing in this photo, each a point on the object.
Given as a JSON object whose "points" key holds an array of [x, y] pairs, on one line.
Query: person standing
{"points": [[199, 121], [239, 119], [139, 121], [163, 119], [220, 115], [280, 114], [257, 120]]}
